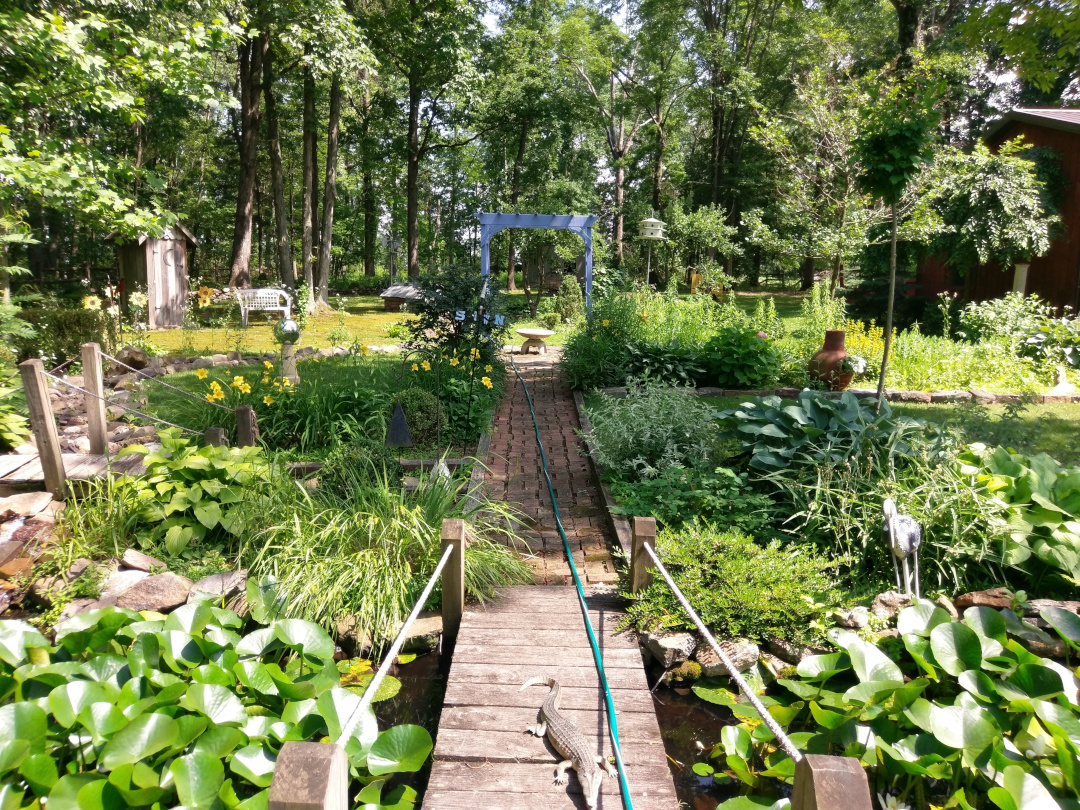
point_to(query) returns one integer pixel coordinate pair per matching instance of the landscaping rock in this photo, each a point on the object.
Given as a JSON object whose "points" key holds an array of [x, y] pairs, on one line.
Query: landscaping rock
{"points": [[46, 589], [908, 396], [686, 672], [789, 651], [984, 397], [134, 357], [948, 606], [25, 504], [950, 396], [121, 581], [853, 618], [787, 393], [161, 592], [742, 652], [218, 586], [9, 550], [219, 360], [202, 362], [138, 561], [994, 597], [669, 648], [863, 392], [887, 605], [19, 567], [424, 634], [1039, 605], [74, 607], [777, 667]]}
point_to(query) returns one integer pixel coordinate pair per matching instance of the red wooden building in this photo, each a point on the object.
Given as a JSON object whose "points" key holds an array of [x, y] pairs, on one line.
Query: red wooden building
{"points": [[1055, 276]]}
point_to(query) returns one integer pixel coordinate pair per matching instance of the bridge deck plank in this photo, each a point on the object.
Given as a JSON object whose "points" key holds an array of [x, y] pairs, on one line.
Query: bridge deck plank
{"points": [[484, 758]]}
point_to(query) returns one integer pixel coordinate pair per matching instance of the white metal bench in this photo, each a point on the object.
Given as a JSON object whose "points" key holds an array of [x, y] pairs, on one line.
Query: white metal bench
{"points": [[263, 299]]}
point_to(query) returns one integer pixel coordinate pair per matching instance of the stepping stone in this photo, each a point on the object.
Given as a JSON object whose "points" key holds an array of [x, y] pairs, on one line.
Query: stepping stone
{"points": [[24, 504], [161, 593], [140, 562]]}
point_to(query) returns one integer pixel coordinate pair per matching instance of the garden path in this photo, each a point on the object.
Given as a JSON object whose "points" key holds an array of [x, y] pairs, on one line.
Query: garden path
{"points": [[516, 476]]}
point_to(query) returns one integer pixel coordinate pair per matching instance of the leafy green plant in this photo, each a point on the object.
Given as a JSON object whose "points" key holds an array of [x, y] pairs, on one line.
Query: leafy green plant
{"points": [[360, 463], [191, 493], [569, 302], [140, 710], [740, 358], [951, 714], [423, 414], [1054, 340], [1042, 501], [14, 425], [678, 494], [739, 587], [445, 314], [1011, 317], [58, 332], [652, 427], [668, 363]]}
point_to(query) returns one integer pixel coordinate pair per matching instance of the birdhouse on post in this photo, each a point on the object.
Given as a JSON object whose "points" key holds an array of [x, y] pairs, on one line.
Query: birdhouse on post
{"points": [[651, 230], [158, 265]]}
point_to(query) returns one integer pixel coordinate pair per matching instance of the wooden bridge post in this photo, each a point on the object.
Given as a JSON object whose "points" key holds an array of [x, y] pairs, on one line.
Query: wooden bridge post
{"points": [[247, 428], [310, 776], [825, 783], [96, 420], [641, 566], [43, 423], [453, 577], [215, 437]]}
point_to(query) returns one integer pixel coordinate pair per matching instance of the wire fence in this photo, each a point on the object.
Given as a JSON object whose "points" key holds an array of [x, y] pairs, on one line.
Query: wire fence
{"points": [[159, 381], [63, 365], [127, 408]]}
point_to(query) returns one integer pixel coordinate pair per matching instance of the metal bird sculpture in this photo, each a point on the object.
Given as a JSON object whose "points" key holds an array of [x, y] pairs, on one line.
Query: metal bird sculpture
{"points": [[904, 536]]}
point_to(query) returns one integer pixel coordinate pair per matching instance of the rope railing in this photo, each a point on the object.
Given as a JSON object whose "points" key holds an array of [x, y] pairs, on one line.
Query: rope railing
{"points": [[119, 404], [395, 648], [4, 382], [159, 381], [736, 676]]}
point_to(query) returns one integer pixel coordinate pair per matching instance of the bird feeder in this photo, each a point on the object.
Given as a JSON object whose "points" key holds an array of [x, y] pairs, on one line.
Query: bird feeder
{"points": [[650, 230]]}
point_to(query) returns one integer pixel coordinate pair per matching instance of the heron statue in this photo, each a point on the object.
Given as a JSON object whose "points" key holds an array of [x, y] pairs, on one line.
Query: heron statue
{"points": [[904, 536]]}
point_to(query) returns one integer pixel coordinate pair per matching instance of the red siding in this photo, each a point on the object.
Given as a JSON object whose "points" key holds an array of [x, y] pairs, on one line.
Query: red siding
{"points": [[1055, 276]]}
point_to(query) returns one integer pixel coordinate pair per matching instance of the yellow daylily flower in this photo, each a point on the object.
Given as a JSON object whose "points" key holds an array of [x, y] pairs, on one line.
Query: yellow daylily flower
{"points": [[454, 361], [426, 366], [201, 373], [474, 354], [211, 397], [268, 400], [245, 389], [415, 367], [487, 368], [268, 364], [364, 351], [237, 381], [287, 382], [486, 381], [605, 322], [265, 380]]}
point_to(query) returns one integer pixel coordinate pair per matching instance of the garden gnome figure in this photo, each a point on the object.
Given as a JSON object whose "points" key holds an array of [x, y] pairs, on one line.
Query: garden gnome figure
{"points": [[904, 537]]}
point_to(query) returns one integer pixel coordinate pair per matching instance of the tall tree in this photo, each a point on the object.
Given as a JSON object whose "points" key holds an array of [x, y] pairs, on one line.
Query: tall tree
{"points": [[282, 244], [249, 71]]}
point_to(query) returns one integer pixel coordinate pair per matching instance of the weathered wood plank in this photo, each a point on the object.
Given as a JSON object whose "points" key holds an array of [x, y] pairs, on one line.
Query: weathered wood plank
{"points": [[516, 675], [474, 800], [11, 463], [473, 694], [517, 746], [27, 473], [633, 727], [83, 467], [614, 658], [566, 620], [516, 779], [546, 639]]}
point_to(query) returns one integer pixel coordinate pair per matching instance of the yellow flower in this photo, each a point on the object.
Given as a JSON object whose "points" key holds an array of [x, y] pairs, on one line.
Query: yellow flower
{"points": [[644, 317], [454, 361], [594, 337], [211, 397], [215, 385], [91, 302], [487, 369], [268, 400], [474, 354], [426, 365], [265, 380], [245, 389], [277, 386], [268, 364], [486, 381], [237, 381], [219, 394], [363, 351], [606, 322], [415, 367], [287, 382], [202, 373]]}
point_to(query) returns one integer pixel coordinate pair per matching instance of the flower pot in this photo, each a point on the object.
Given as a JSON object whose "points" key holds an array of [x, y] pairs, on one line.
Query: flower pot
{"points": [[827, 363]]}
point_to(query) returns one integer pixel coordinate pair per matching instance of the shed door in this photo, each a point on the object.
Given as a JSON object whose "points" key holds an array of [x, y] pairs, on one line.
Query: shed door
{"points": [[172, 283]]}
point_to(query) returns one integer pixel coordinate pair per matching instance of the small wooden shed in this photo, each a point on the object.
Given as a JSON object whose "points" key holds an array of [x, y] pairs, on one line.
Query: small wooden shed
{"points": [[159, 266]]}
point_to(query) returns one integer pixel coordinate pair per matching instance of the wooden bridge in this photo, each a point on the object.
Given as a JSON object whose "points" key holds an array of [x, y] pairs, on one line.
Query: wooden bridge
{"points": [[484, 758]]}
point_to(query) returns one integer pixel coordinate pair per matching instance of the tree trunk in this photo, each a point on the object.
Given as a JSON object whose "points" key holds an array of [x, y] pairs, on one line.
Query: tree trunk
{"points": [[412, 184], [309, 159], [806, 273], [515, 192], [371, 221], [658, 170], [620, 176], [888, 312], [329, 189], [283, 247], [249, 54], [907, 30]]}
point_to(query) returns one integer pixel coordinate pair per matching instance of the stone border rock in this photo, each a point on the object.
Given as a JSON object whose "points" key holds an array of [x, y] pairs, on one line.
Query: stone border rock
{"points": [[891, 395]]}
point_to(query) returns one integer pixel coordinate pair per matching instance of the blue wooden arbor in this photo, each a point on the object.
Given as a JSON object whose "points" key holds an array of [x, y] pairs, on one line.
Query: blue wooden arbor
{"points": [[581, 224]]}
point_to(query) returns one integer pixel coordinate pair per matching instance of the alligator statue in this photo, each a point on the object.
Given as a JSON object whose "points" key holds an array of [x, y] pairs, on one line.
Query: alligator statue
{"points": [[571, 743]]}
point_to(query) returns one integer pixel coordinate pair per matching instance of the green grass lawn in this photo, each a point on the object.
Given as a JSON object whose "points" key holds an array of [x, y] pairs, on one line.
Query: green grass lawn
{"points": [[1050, 429]]}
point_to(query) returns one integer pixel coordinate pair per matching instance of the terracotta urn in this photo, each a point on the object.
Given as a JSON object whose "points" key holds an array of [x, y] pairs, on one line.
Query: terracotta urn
{"points": [[826, 364]]}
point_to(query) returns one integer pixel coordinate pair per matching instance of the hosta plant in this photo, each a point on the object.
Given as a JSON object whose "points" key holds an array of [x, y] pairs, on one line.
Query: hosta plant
{"points": [[952, 714], [190, 493], [131, 709]]}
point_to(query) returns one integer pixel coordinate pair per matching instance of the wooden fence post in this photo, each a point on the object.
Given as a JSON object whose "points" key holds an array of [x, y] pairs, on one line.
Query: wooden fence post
{"points": [[215, 437], [96, 420], [641, 566], [453, 577], [247, 428], [310, 776], [43, 423], [826, 783]]}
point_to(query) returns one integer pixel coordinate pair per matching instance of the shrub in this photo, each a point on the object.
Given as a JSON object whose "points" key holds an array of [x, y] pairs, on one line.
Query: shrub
{"points": [[766, 320], [594, 360], [820, 311], [14, 426], [652, 427], [569, 302], [954, 713], [1011, 317], [738, 587], [190, 493], [445, 314], [60, 332], [679, 494], [738, 358], [667, 363], [423, 414], [359, 463], [137, 711], [1054, 340], [549, 320]]}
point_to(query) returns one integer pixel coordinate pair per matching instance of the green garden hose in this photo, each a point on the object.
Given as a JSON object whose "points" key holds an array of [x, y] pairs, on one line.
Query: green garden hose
{"points": [[613, 724]]}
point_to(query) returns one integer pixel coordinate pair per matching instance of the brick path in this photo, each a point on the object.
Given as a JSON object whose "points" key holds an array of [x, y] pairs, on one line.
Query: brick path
{"points": [[516, 476]]}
